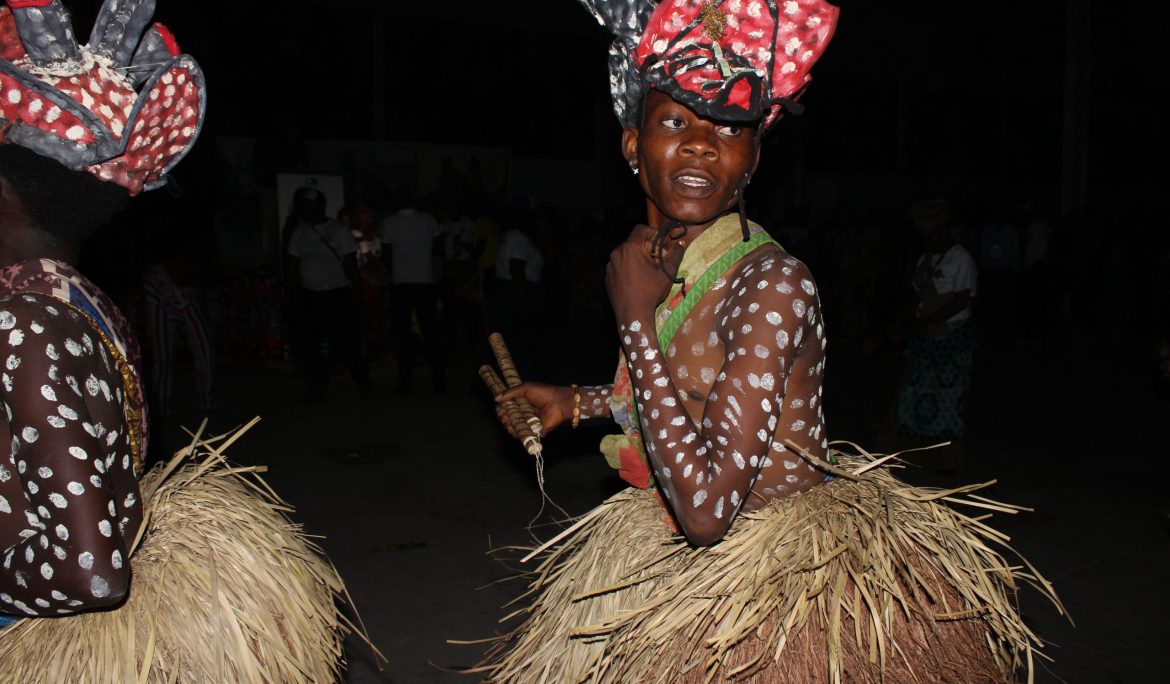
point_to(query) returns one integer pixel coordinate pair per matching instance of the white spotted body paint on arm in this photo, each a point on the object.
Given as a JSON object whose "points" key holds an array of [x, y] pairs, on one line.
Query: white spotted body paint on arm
{"points": [[68, 494], [742, 376], [594, 402]]}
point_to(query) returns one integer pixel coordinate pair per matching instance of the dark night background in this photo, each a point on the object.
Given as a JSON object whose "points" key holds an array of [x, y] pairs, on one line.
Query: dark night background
{"points": [[956, 92], [1038, 111], [1015, 113]]}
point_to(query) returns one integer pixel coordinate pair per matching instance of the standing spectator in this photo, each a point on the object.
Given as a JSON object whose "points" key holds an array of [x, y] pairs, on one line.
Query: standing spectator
{"points": [[999, 269], [170, 305], [409, 243], [486, 233], [322, 271], [361, 221], [940, 342], [374, 281], [1036, 298], [460, 282], [516, 292]]}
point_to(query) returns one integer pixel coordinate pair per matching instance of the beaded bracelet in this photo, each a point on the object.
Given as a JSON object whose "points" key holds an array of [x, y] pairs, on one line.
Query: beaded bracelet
{"points": [[576, 406]]}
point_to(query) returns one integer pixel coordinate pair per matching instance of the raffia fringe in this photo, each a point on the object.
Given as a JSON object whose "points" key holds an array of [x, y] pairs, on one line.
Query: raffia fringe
{"points": [[225, 588], [864, 579]]}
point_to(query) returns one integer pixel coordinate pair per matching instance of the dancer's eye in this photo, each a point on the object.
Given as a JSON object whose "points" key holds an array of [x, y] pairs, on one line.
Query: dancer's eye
{"points": [[673, 122], [730, 131]]}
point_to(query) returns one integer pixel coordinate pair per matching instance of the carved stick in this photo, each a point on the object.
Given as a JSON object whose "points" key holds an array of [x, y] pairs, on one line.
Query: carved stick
{"points": [[512, 379], [522, 427]]}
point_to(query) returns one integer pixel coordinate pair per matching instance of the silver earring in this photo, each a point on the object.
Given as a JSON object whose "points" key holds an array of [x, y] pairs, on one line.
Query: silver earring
{"points": [[634, 169]]}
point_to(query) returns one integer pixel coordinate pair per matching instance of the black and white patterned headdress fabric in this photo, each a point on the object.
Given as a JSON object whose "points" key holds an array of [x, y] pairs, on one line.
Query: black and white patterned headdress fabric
{"points": [[626, 20]]}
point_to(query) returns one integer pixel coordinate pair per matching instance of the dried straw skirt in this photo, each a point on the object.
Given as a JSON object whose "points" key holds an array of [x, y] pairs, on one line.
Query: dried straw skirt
{"points": [[860, 580], [224, 589]]}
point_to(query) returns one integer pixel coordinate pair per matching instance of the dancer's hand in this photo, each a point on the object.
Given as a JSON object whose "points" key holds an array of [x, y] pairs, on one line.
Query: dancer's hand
{"points": [[634, 278], [553, 404]]}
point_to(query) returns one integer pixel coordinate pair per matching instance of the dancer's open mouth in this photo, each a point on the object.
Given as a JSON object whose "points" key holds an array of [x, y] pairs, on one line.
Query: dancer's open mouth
{"points": [[693, 184]]}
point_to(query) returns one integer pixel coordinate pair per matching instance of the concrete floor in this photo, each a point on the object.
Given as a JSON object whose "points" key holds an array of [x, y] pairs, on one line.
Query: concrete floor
{"points": [[411, 527]]}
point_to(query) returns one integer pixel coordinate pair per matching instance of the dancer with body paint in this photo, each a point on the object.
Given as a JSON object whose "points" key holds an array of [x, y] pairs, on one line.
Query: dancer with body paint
{"points": [[719, 393], [73, 400], [736, 360], [187, 573]]}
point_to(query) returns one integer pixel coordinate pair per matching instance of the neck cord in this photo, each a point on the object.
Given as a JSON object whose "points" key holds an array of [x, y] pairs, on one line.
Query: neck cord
{"points": [[673, 230]]}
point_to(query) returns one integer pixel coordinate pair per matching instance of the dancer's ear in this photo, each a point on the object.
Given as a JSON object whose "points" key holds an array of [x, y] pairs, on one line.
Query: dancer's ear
{"points": [[630, 146]]}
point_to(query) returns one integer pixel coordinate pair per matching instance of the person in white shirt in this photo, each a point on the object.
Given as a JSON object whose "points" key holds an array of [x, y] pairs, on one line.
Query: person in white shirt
{"points": [[410, 239], [941, 341], [322, 268], [518, 258], [515, 297]]}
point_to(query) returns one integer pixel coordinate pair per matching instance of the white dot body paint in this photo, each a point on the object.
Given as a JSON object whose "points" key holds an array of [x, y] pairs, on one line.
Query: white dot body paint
{"points": [[99, 587], [733, 378]]}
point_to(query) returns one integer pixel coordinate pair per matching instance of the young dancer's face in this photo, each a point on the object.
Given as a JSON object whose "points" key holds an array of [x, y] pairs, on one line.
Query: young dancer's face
{"points": [[690, 167]]}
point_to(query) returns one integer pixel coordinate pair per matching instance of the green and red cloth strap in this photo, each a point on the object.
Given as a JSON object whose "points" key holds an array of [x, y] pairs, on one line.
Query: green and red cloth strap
{"points": [[626, 452]]}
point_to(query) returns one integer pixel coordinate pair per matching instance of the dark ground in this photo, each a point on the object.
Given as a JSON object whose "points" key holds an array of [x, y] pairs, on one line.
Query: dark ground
{"points": [[1069, 428]]}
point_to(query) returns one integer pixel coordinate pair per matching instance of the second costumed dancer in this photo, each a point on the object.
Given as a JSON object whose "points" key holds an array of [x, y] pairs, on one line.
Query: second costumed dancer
{"points": [[111, 571], [747, 548]]}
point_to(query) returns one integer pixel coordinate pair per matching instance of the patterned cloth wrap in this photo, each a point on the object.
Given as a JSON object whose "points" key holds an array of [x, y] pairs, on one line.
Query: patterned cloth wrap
{"points": [[126, 107], [732, 60], [60, 281], [934, 397], [711, 255]]}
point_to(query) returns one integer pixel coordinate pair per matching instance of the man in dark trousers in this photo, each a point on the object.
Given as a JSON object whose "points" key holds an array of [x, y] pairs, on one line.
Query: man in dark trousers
{"points": [[322, 271], [410, 243]]}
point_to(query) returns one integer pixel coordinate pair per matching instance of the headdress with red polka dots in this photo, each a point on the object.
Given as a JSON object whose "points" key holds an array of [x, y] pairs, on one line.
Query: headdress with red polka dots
{"points": [[126, 107], [730, 60]]}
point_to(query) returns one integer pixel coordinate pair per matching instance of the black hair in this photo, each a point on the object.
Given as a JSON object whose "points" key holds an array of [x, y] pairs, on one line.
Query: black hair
{"points": [[70, 205]]}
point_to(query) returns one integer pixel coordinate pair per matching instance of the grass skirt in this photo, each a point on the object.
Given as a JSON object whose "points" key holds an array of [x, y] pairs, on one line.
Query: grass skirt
{"points": [[864, 579], [224, 589]]}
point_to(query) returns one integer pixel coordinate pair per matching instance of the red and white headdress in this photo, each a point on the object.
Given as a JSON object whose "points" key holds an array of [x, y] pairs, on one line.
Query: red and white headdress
{"points": [[731, 60], [126, 107]]}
